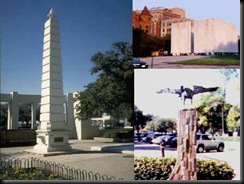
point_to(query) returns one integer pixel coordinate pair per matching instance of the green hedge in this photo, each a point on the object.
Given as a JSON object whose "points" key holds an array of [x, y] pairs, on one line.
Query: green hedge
{"points": [[16, 173], [121, 134], [147, 168]]}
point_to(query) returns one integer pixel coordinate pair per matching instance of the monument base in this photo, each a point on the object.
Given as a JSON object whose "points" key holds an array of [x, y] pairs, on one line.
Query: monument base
{"points": [[52, 141]]}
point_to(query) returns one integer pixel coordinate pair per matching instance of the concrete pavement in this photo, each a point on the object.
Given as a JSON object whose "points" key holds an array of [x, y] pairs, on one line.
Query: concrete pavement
{"points": [[111, 159], [162, 62]]}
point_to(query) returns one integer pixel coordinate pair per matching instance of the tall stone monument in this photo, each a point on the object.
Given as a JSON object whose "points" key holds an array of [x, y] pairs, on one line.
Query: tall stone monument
{"points": [[52, 134]]}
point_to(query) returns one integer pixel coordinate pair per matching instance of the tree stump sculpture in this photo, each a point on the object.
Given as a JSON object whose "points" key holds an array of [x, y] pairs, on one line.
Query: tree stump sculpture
{"points": [[185, 168]]}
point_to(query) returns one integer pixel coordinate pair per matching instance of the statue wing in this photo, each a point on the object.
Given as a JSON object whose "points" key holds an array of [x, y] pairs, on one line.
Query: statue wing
{"points": [[201, 89], [173, 91]]}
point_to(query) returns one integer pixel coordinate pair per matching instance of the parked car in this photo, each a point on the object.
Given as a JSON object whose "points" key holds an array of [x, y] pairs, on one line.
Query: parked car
{"points": [[150, 137], [138, 63], [167, 139], [207, 142], [158, 140], [173, 142]]}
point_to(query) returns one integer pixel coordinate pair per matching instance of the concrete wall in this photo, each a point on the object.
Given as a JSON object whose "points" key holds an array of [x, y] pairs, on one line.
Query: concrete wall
{"points": [[204, 36], [214, 35], [181, 38]]}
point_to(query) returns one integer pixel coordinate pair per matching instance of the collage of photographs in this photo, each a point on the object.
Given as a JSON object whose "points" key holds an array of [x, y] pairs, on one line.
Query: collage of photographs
{"points": [[120, 90]]}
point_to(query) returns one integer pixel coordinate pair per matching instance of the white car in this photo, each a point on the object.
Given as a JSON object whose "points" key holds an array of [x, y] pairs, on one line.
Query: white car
{"points": [[207, 142]]}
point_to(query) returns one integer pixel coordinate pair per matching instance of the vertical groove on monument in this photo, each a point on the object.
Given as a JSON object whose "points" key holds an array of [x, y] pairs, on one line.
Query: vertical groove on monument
{"points": [[185, 167], [52, 134]]}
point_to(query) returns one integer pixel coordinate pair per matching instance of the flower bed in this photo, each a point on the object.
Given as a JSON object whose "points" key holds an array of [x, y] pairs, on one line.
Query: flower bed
{"points": [[9, 173]]}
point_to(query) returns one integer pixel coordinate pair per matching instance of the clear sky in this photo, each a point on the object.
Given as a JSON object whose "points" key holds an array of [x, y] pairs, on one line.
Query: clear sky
{"points": [[148, 82], [228, 10], [86, 27]]}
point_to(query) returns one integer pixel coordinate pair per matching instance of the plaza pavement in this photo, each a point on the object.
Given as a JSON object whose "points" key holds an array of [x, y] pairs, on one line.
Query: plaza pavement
{"points": [[162, 62], [111, 159]]}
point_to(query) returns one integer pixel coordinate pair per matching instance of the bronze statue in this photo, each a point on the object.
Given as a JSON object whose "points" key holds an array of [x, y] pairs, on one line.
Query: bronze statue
{"points": [[187, 93]]}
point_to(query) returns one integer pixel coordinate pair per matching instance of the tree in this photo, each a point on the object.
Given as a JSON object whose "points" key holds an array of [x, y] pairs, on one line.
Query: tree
{"points": [[210, 113], [227, 74], [233, 118], [140, 120], [113, 91], [145, 44], [166, 125]]}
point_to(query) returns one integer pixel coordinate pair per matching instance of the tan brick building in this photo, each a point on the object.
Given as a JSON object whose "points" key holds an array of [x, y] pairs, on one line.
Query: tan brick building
{"points": [[157, 21]]}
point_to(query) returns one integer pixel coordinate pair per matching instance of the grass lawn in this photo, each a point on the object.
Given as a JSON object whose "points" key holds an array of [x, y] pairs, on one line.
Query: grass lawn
{"points": [[214, 60]]}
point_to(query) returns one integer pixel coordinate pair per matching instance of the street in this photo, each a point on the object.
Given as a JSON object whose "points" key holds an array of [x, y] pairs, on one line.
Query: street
{"points": [[231, 154]]}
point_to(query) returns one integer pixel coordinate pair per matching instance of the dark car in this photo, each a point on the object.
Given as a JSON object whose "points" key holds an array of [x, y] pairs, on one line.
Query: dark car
{"points": [[167, 139], [173, 142], [138, 63]]}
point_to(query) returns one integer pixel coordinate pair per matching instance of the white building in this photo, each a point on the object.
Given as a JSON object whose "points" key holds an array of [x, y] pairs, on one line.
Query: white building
{"points": [[204, 36]]}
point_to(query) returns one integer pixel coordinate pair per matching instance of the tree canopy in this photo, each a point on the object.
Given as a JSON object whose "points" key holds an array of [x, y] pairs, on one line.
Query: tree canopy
{"points": [[209, 109], [145, 44], [113, 91], [166, 125]]}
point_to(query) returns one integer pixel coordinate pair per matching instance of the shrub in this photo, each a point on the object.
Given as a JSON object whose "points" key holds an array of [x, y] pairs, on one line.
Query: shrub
{"points": [[147, 168], [15, 173], [121, 134]]}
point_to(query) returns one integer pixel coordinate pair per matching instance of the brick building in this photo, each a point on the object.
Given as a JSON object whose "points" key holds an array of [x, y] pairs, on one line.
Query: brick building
{"points": [[157, 21]]}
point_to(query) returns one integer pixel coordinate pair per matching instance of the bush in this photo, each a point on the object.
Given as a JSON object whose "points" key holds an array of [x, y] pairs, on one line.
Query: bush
{"points": [[120, 134], [147, 168], [9, 173]]}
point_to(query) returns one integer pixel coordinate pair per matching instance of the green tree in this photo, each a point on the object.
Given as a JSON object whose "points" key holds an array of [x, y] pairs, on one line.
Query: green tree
{"points": [[233, 118], [145, 44], [227, 74], [166, 125], [210, 114], [113, 91]]}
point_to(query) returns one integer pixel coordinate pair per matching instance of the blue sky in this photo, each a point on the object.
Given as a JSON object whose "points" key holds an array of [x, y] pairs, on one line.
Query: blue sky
{"points": [[86, 27], [167, 105], [228, 10]]}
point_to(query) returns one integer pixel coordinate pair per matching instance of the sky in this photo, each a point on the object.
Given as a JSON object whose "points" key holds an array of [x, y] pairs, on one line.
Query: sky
{"points": [[86, 27], [228, 10], [167, 105]]}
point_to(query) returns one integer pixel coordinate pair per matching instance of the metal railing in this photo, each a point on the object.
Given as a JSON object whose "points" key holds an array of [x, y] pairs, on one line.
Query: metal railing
{"points": [[64, 172]]}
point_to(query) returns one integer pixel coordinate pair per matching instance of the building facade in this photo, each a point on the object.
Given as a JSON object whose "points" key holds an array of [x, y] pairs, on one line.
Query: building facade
{"points": [[209, 36], [157, 21]]}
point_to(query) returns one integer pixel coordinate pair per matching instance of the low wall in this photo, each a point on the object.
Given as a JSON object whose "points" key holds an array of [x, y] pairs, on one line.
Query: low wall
{"points": [[15, 137]]}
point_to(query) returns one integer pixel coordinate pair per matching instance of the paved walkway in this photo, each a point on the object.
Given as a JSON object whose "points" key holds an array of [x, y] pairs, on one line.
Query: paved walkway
{"points": [[162, 62], [112, 159]]}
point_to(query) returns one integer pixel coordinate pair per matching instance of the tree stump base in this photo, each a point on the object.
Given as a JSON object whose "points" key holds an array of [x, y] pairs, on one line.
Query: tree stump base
{"points": [[185, 168]]}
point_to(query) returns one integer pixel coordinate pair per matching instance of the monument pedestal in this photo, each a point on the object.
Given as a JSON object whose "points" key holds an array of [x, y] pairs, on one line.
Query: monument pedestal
{"points": [[49, 141]]}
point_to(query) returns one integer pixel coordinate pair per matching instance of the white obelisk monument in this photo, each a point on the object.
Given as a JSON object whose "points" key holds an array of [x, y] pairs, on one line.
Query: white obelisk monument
{"points": [[52, 134]]}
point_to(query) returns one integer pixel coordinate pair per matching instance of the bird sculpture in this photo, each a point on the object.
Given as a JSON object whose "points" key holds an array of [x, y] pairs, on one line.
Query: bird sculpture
{"points": [[187, 93]]}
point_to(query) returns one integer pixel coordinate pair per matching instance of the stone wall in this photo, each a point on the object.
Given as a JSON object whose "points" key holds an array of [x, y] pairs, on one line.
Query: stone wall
{"points": [[181, 38], [204, 36]]}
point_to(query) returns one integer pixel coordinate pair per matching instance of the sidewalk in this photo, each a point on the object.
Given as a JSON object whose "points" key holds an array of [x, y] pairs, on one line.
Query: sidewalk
{"points": [[112, 159]]}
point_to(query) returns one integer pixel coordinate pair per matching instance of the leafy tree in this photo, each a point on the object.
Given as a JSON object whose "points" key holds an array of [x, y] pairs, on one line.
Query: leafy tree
{"points": [[140, 120], [233, 118], [113, 91], [227, 74], [209, 109], [166, 125], [145, 44]]}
